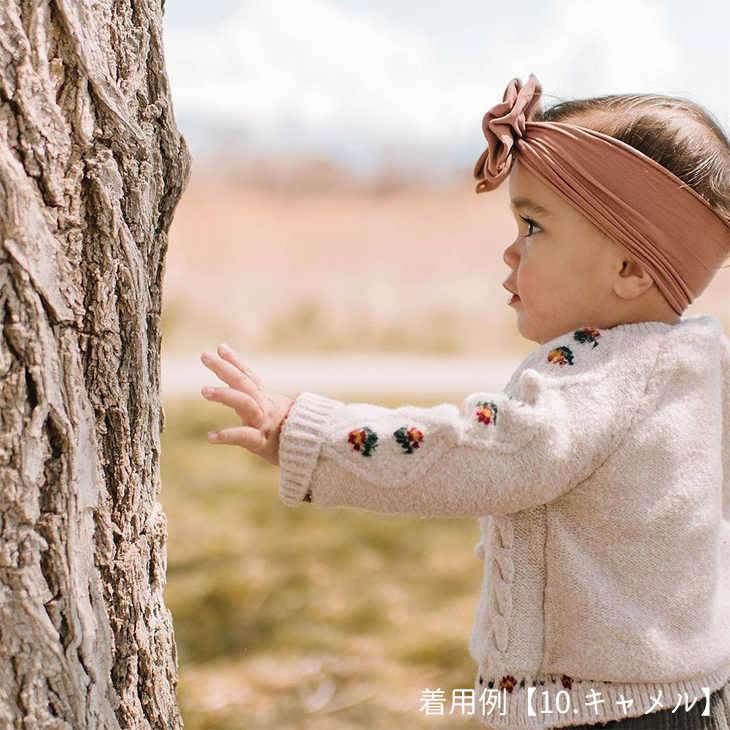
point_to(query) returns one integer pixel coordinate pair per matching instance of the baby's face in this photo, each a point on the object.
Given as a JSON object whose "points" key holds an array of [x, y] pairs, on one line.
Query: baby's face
{"points": [[562, 265]]}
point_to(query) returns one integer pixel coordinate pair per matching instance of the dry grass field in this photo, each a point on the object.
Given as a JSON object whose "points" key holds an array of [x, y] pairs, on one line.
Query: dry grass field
{"points": [[307, 618]]}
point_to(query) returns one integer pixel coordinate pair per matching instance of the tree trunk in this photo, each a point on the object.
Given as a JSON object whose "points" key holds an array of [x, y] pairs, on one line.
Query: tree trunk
{"points": [[92, 167]]}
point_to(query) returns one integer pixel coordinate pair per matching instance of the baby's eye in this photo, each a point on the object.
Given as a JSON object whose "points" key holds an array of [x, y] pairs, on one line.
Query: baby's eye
{"points": [[531, 224]]}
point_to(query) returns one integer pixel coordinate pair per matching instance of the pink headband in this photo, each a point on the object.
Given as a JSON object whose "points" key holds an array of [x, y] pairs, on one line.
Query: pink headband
{"points": [[653, 215]]}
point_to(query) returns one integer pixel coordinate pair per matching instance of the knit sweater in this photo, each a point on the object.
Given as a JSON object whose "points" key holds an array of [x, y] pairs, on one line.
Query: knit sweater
{"points": [[601, 480]]}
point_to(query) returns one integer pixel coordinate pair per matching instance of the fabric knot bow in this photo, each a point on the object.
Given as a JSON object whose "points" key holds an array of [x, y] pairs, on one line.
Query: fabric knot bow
{"points": [[503, 125]]}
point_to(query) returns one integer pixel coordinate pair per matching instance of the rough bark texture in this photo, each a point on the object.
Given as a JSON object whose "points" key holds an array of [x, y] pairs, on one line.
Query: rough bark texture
{"points": [[92, 167]]}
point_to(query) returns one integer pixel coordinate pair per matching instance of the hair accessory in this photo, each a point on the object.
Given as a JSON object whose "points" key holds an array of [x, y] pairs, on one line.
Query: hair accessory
{"points": [[503, 125], [659, 220]]}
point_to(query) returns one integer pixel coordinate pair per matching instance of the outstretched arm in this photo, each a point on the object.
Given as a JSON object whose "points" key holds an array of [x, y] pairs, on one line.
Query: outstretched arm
{"points": [[498, 453], [564, 412]]}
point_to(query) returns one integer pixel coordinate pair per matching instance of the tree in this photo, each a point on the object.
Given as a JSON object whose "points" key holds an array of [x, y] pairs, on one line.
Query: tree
{"points": [[92, 167]]}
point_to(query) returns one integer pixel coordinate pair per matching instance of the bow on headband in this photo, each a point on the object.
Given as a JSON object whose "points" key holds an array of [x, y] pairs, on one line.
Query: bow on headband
{"points": [[503, 124], [653, 215]]}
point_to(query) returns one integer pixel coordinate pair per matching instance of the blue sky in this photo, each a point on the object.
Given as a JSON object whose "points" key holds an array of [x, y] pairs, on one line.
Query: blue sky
{"points": [[362, 81]]}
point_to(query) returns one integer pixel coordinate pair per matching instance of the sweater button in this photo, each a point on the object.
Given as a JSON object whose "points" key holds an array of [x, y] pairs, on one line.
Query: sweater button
{"points": [[479, 550]]}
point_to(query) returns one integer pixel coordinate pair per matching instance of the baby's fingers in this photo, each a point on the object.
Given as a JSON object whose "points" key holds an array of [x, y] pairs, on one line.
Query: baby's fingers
{"points": [[245, 436], [228, 353], [244, 405], [231, 375]]}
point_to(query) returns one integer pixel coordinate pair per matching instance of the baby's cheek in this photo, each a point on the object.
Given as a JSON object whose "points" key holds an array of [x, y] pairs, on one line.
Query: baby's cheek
{"points": [[547, 301], [539, 291]]}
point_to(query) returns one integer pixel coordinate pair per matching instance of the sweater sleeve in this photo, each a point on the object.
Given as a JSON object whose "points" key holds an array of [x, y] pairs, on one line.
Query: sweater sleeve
{"points": [[499, 452]]}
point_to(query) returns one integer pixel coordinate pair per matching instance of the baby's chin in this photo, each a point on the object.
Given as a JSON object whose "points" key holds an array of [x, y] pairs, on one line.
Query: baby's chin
{"points": [[530, 332]]}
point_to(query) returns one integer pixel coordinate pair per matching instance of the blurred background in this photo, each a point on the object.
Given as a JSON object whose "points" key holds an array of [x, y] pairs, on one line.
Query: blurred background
{"points": [[331, 234]]}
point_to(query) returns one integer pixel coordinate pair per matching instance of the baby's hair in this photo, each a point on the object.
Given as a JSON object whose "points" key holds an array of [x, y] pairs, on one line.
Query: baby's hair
{"points": [[679, 134]]}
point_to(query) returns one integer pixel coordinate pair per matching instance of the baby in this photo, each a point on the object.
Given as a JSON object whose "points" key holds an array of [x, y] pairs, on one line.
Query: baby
{"points": [[601, 474]]}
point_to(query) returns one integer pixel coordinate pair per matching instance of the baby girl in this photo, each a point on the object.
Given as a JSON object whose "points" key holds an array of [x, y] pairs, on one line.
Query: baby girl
{"points": [[600, 475]]}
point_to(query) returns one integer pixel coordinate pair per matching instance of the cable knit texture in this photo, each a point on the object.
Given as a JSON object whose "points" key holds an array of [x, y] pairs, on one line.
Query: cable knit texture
{"points": [[601, 480]]}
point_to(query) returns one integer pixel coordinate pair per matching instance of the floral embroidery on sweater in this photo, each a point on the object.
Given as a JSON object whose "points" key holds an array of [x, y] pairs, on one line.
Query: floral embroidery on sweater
{"points": [[561, 355], [587, 334], [508, 682], [409, 439], [363, 439], [487, 412]]}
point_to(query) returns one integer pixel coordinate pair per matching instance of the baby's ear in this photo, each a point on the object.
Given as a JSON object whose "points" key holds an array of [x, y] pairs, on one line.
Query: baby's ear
{"points": [[632, 280]]}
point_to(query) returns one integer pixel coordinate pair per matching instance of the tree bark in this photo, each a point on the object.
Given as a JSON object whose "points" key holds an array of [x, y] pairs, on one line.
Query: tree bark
{"points": [[92, 167]]}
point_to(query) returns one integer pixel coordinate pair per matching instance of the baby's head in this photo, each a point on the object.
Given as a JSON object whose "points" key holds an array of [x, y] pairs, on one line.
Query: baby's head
{"points": [[568, 272]]}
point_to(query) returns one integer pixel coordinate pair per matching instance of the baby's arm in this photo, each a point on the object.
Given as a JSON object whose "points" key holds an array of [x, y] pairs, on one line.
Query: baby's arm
{"points": [[496, 454]]}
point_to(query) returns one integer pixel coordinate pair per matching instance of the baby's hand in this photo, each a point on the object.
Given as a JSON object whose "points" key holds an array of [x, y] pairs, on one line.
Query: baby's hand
{"points": [[262, 411]]}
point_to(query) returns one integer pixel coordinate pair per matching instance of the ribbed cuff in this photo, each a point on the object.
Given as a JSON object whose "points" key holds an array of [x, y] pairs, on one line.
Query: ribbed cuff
{"points": [[300, 442]]}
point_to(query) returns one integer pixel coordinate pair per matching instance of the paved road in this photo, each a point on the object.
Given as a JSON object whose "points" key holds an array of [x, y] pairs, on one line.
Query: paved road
{"points": [[345, 375]]}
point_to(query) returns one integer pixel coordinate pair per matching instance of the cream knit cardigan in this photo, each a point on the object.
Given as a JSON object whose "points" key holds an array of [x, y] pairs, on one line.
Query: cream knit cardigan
{"points": [[601, 480]]}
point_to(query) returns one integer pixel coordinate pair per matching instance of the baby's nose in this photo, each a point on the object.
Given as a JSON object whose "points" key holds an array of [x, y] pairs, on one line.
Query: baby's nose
{"points": [[510, 257]]}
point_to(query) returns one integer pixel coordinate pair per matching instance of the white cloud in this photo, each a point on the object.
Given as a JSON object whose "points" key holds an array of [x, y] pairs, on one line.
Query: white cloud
{"points": [[274, 66], [592, 48], [313, 75]]}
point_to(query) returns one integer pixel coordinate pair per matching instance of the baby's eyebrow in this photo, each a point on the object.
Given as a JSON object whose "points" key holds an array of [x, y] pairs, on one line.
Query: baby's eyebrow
{"points": [[531, 205]]}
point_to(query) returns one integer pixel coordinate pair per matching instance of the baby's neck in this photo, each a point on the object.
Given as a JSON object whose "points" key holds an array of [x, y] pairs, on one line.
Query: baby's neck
{"points": [[672, 318]]}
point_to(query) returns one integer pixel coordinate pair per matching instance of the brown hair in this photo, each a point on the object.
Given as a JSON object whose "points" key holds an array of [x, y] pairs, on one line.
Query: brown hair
{"points": [[679, 134]]}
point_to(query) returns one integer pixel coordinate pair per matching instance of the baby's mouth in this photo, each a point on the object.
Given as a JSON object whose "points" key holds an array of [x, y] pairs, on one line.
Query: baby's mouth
{"points": [[513, 299]]}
